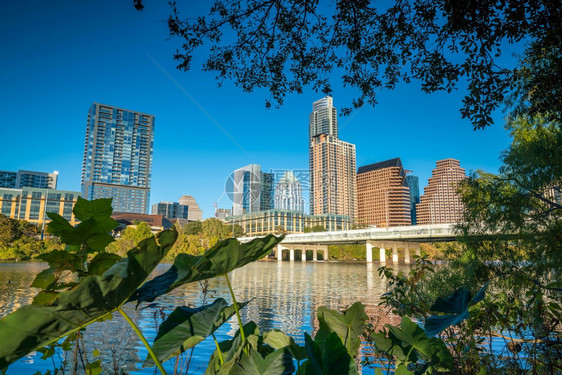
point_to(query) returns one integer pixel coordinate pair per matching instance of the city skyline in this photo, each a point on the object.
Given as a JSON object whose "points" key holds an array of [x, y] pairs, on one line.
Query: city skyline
{"points": [[191, 146]]}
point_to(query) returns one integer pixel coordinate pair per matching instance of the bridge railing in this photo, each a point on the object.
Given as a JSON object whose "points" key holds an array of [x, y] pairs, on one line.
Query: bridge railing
{"points": [[420, 232]]}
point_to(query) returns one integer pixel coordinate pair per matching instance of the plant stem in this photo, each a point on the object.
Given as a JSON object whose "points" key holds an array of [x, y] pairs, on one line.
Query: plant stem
{"points": [[242, 333], [218, 349], [141, 336], [409, 352]]}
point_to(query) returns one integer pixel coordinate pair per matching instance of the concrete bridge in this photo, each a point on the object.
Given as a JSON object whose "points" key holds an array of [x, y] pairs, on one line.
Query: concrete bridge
{"points": [[406, 238]]}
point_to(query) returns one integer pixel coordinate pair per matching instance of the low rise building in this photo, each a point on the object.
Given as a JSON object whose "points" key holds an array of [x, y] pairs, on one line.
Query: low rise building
{"points": [[32, 204], [33, 179], [171, 210], [284, 221], [223, 213], [157, 222]]}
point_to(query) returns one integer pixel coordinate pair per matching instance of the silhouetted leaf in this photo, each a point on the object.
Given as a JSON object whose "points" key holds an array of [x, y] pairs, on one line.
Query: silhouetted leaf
{"points": [[479, 296], [456, 303], [437, 323]]}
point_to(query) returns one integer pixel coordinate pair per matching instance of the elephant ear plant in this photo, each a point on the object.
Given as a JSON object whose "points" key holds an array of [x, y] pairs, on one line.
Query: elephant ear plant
{"points": [[100, 286], [84, 284]]}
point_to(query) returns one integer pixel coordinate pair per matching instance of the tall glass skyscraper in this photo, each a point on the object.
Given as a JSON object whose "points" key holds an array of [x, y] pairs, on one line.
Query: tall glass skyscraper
{"points": [[414, 184], [333, 187], [118, 157], [288, 193], [252, 190]]}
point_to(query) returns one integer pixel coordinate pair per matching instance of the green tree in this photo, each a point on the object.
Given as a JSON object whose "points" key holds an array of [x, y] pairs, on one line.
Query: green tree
{"points": [[193, 228], [130, 237], [285, 46], [12, 230], [216, 228], [316, 228]]}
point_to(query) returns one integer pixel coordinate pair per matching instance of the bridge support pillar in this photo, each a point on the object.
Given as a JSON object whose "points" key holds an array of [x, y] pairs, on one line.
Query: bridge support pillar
{"points": [[407, 254], [303, 255], [394, 253], [369, 252], [382, 255], [291, 254], [279, 252], [314, 255], [326, 255]]}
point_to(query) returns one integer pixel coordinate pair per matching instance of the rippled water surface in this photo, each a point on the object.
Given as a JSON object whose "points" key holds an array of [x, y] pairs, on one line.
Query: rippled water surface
{"points": [[285, 296]]}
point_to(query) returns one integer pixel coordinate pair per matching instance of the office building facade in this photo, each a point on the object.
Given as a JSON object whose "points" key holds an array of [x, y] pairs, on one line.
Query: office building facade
{"points": [[194, 213], [252, 190], [288, 193], [32, 204], [440, 203], [285, 221], [333, 188], [170, 210], [32, 179], [383, 195], [118, 157], [414, 185], [223, 213]]}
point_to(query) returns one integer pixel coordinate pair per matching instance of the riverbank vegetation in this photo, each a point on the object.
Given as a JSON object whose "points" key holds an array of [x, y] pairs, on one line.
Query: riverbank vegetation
{"points": [[20, 240]]}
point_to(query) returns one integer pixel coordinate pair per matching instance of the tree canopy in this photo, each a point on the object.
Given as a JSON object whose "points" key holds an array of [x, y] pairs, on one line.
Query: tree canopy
{"points": [[288, 45]]}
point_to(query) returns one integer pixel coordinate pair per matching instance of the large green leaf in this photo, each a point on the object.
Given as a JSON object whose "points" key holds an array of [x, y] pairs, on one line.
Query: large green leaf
{"points": [[328, 358], [99, 209], [32, 327], [278, 340], [222, 258], [102, 262], [388, 343], [432, 350], [231, 350], [349, 326], [279, 362], [61, 260], [94, 227], [186, 327]]}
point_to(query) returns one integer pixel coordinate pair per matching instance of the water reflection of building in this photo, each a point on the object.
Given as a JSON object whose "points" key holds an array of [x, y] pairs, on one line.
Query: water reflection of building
{"points": [[287, 295]]}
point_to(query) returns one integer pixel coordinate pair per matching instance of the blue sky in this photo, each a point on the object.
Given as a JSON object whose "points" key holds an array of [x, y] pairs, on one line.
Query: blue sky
{"points": [[59, 57]]}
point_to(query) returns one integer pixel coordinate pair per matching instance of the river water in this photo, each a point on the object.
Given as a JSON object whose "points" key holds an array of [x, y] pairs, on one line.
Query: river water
{"points": [[285, 296]]}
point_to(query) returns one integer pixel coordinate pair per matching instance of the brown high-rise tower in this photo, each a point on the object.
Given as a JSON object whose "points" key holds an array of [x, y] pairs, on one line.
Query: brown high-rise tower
{"points": [[332, 164], [383, 196], [440, 203]]}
